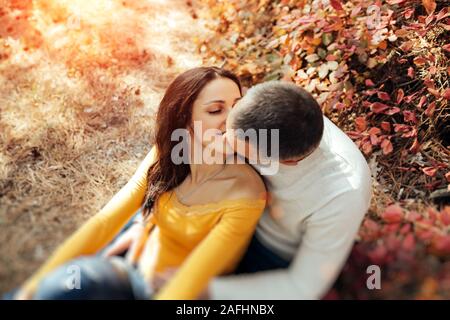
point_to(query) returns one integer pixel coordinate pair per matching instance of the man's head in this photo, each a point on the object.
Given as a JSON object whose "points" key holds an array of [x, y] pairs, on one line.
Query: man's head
{"points": [[283, 106]]}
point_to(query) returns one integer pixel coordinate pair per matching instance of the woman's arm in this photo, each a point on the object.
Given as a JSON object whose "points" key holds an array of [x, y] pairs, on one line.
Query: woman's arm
{"points": [[101, 228], [223, 247]]}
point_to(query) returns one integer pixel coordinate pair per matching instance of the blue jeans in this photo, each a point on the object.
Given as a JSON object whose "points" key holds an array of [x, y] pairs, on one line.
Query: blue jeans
{"points": [[103, 284], [260, 258], [94, 278], [99, 276]]}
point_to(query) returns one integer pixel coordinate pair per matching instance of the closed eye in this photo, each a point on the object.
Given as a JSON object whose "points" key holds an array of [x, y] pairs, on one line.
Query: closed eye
{"points": [[215, 111]]}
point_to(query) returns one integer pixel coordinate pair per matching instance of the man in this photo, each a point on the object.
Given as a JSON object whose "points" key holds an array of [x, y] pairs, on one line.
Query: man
{"points": [[320, 195]]}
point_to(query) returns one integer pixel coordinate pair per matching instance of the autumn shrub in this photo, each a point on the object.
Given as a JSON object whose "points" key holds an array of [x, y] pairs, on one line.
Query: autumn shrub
{"points": [[380, 70]]}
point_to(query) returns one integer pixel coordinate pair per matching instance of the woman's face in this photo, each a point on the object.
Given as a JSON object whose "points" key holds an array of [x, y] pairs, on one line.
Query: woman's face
{"points": [[211, 108]]}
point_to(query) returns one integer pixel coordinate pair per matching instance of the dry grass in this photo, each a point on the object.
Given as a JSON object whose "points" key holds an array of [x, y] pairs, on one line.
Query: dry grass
{"points": [[77, 96]]}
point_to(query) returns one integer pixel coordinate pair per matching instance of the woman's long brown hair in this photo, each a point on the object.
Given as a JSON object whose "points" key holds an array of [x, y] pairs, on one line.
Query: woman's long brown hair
{"points": [[175, 112]]}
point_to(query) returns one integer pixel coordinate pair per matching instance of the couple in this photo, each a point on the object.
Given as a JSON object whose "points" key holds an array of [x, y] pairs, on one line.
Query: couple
{"points": [[221, 230]]}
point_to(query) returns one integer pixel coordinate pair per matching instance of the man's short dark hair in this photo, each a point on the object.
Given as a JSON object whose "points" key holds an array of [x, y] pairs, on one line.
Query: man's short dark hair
{"points": [[284, 106]]}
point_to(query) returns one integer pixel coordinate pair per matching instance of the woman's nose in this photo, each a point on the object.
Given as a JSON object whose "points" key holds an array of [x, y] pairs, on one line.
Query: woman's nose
{"points": [[224, 119]]}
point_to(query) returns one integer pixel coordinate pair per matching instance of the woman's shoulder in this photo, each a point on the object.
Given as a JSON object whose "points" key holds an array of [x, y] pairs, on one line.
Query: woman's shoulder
{"points": [[247, 183]]}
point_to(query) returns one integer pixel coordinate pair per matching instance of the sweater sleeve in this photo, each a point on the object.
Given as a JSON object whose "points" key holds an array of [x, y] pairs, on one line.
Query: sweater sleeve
{"points": [[328, 239], [221, 248], [100, 229]]}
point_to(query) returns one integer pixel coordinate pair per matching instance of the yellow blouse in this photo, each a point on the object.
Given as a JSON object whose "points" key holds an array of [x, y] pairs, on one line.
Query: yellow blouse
{"points": [[203, 241]]}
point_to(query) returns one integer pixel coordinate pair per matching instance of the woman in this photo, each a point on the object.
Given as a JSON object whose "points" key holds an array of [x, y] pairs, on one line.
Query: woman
{"points": [[199, 217]]}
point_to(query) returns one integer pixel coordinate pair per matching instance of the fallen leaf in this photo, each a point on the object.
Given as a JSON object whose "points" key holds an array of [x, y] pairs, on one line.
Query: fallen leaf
{"points": [[383, 96], [386, 146], [392, 214], [430, 109], [378, 107], [400, 95], [361, 123], [336, 4], [430, 171], [430, 5]]}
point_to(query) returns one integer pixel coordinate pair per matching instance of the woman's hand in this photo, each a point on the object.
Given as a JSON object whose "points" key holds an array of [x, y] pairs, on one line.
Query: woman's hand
{"points": [[160, 279], [127, 241]]}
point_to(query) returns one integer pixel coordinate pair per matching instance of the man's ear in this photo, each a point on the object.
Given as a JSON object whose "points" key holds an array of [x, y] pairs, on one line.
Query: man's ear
{"points": [[230, 139], [190, 128]]}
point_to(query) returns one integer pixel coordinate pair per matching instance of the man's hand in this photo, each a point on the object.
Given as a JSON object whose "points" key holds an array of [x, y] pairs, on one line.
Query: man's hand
{"points": [[127, 241]]}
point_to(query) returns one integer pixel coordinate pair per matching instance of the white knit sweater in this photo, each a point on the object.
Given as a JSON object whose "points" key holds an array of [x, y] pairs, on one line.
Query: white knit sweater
{"points": [[318, 207]]}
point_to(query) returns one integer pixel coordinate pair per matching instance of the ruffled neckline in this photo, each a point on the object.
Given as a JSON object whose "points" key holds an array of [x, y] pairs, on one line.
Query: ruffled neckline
{"points": [[226, 203]]}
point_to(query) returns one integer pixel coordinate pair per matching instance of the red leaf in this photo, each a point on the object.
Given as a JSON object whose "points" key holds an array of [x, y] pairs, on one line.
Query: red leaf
{"points": [[378, 255], [378, 107], [408, 13], [442, 244], [406, 46], [411, 133], [339, 106], [429, 83], [392, 111], [446, 94], [392, 214], [422, 101], [424, 234], [386, 126], [387, 147], [392, 2], [367, 147], [369, 83], [336, 4], [405, 229], [434, 92], [353, 134], [409, 243], [370, 92], [413, 216], [411, 72], [409, 98], [430, 171], [429, 19], [371, 225], [361, 124], [415, 146], [374, 139], [355, 11], [410, 116], [399, 127], [447, 176], [442, 14], [374, 130], [445, 216], [430, 109], [419, 61], [383, 96], [430, 5], [400, 95]]}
